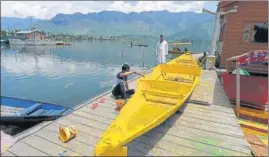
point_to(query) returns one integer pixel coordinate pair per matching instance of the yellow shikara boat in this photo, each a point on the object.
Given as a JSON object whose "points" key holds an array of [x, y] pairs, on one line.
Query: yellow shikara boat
{"points": [[158, 96]]}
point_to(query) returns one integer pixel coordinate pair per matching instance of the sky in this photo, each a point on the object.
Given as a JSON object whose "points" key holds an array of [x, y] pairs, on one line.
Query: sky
{"points": [[48, 9]]}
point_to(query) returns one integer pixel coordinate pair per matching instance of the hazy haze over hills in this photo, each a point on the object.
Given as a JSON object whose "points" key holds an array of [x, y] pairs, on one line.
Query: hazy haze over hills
{"points": [[108, 18], [113, 23]]}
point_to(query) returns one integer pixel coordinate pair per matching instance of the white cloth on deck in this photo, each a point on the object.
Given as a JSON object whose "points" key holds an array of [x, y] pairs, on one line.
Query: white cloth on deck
{"points": [[161, 51]]}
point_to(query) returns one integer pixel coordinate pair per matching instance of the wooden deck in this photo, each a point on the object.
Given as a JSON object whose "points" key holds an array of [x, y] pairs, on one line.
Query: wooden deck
{"points": [[195, 130]]}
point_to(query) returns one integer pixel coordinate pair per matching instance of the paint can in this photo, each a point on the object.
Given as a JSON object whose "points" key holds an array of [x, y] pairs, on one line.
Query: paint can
{"points": [[67, 133]]}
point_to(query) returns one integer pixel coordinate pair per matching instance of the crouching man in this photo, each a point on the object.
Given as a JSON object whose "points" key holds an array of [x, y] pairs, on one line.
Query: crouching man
{"points": [[121, 89]]}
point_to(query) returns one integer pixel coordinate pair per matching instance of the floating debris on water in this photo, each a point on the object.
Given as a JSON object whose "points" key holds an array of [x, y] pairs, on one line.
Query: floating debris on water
{"points": [[68, 84], [72, 68]]}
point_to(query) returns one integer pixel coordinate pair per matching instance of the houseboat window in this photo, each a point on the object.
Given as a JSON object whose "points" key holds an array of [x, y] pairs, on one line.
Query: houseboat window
{"points": [[246, 32], [260, 33]]}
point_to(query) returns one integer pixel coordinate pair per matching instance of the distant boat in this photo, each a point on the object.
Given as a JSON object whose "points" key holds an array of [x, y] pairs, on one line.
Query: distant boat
{"points": [[14, 110], [62, 43], [4, 41], [140, 45]]}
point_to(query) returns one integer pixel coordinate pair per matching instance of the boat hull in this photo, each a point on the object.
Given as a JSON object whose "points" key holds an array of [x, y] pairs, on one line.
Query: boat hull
{"points": [[257, 97], [26, 119], [156, 99], [15, 110]]}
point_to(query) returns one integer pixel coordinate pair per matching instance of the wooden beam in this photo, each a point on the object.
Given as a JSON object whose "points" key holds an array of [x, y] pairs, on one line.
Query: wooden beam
{"points": [[237, 89]]}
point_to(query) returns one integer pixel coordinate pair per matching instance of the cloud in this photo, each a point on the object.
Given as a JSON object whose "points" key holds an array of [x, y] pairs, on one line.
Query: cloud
{"points": [[48, 9]]}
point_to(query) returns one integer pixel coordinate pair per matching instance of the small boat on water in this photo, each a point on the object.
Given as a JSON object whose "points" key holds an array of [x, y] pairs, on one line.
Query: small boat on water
{"points": [[62, 43], [139, 45], [178, 49], [14, 110], [4, 41], [158, 96]]}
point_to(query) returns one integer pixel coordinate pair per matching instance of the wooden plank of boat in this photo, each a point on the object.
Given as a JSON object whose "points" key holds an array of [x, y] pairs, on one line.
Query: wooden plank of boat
{"points": [[10, 110], [7, 113], [155, 100]]}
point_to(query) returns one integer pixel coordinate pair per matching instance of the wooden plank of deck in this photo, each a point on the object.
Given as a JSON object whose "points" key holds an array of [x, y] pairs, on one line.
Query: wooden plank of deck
{"points": [[8, 153], [99, 124], [181, 120], [200, 130], [50, 148], [108, 121], [92, 132], [166, 122], [22, 149], [74, 145]]}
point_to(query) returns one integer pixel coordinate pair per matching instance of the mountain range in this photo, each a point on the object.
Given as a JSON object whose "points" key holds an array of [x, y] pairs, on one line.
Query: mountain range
{"points": [[176, 25]]}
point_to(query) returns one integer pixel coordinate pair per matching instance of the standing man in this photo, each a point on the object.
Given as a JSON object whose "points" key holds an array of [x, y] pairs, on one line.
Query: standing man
{"points": [[161, 50]]}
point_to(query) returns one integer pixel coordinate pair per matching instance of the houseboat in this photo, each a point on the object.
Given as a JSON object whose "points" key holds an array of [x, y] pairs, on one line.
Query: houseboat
{"points": [[244, 35], [32, 37], [242, 32]]}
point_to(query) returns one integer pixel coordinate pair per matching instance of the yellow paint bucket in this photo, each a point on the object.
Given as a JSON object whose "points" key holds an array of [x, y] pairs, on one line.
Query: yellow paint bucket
{"points": [[67, 133]]}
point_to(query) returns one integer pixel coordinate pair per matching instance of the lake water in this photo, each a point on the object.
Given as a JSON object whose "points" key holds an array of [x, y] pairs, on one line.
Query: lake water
{"points": [[70, 75]]}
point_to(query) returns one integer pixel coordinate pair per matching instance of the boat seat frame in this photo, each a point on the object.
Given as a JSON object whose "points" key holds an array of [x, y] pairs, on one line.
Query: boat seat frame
{"points": [[29, 110], [185, 69], [161, 94]]}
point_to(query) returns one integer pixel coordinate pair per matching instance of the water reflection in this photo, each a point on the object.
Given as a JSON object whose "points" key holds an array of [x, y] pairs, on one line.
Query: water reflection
{"points": [[64, 75], [68, 75], [32, 60]]}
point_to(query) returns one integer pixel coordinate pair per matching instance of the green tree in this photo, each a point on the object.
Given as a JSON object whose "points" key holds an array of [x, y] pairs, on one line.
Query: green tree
{"points": [[3, 33]]}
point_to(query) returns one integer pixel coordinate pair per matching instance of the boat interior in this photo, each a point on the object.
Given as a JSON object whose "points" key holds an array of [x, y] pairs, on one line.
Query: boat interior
{"points": [[17, 107]]}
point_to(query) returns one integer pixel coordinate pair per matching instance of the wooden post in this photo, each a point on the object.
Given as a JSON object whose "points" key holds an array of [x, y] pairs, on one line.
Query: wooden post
{"points": [[237, 89], [121, 56], [16, 56], [143, 57], [226, 66]]}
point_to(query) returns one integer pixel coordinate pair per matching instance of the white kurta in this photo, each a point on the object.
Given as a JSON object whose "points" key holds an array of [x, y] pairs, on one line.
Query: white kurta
{"points": [[161, 51]]}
